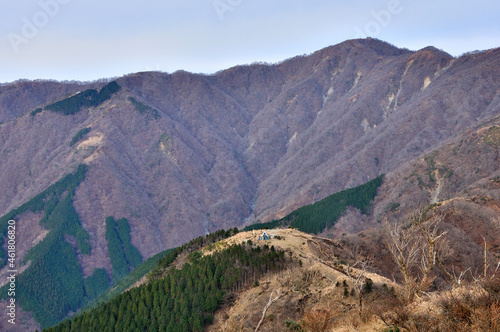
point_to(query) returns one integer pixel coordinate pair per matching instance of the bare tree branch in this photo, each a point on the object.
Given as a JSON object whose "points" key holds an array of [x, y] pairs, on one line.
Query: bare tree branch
{"points": [[418, 244], [268, 305], [485, 258], [404, 244], [458, 279], [358, 279]]}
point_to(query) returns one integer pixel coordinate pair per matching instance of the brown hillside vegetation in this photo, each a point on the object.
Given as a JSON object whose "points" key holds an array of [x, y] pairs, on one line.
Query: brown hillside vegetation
{"points": [[180, 155], [249, 143], [315, 287], [334, 289]]}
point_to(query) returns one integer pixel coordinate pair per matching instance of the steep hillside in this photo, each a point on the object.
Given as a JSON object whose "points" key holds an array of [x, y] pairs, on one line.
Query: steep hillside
{"points": [[461, 179], [20, 97], [221, 277], [465, 167], [180, 155], [255, 141], [324, 214], [293, 281]]}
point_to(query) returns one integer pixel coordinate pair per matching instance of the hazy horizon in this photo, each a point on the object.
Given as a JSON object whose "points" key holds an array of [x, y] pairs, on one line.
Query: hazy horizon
{"points": [[70, 40]]}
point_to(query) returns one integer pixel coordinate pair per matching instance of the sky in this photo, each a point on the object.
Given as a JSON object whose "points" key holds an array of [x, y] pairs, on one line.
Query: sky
{"points": [[85, 40]]}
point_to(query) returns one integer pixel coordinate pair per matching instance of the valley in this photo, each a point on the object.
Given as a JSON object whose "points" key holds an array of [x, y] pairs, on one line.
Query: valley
{"points": [[107, 174]]}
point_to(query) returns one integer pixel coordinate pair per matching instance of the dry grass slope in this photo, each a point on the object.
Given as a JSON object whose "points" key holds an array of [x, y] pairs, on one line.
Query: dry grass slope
{"points": [[321, 294]]}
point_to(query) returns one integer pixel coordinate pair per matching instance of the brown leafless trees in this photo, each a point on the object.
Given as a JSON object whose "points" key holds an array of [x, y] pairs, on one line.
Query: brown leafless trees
{"points": [[356, 272], [417, 245], [289, 281]]}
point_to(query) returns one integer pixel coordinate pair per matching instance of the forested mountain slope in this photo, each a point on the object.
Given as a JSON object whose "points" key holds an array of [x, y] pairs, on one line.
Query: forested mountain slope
{"points": [[180, 155]]}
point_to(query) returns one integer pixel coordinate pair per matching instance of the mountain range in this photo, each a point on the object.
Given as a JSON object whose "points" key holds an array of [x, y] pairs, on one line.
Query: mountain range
{"points": [[181, 155]]}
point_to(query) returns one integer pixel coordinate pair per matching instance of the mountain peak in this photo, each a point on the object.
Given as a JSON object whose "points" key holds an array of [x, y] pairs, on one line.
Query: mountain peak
{"points": [[180, 155]]}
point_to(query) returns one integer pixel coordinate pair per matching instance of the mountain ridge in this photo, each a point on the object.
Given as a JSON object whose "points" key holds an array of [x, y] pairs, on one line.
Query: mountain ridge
{"points": [[177, 79], [170, 104], [180, 155]]}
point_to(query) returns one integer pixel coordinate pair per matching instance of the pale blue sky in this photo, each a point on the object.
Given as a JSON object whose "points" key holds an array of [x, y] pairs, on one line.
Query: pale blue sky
{"points": [[91, 39]]}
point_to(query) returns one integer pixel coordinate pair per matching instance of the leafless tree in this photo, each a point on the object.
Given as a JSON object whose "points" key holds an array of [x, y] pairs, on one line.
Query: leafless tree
{"points": [[458, 278], [290, 281], [488, 274], [404, 245], [272, 300], [417, 246], [356, 272], [434, 246]]}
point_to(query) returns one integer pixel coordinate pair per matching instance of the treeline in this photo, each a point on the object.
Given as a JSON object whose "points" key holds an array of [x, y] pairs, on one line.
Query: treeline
{"points": [[53, 284], [156, 265], [123, 255], [127, 281], [96, 284], [185, 299], [314, 218], [45, 201], [79, 135], [266, 225], [145, 110], [196, 244], [36, 111], [87, 98]]}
